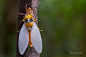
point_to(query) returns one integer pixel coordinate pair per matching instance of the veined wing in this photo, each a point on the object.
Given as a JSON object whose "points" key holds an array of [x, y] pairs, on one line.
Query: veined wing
{"points": [[36, 38], [23, 39]]}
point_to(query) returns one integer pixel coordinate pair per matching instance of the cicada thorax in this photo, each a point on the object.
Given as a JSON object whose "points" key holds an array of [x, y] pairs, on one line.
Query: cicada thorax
{"points": [[28, 25], [28, 22]]}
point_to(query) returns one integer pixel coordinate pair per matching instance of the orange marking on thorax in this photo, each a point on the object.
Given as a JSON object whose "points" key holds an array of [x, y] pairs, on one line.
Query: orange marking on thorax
{"points": [[29, 24], [29, 31]]}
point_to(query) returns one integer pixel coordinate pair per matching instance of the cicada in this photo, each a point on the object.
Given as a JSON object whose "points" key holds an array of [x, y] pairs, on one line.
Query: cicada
{"points": [[29, 33]]}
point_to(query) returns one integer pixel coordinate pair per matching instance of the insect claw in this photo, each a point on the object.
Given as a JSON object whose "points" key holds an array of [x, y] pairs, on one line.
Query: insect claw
{"points": [[41, 30]]}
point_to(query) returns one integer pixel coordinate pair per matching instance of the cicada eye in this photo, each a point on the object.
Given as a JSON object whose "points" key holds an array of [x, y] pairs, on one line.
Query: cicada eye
{"points": [[26, 20], [30, 20]]}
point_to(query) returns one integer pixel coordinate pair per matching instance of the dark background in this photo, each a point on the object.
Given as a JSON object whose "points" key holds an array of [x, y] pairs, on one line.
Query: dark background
{"points": [[62, 22]]}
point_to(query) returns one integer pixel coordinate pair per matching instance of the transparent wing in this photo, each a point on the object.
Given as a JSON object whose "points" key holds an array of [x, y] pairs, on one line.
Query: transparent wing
{"points": [[36, 38], [23, 39]]}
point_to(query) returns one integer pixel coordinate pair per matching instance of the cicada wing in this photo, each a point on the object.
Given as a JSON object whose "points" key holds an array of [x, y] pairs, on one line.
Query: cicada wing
{"points": [[23, 39], [36, 38]]}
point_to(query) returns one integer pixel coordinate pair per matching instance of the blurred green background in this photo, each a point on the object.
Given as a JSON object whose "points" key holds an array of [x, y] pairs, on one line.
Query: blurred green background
{"points": [[62, 21]]}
